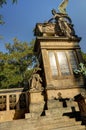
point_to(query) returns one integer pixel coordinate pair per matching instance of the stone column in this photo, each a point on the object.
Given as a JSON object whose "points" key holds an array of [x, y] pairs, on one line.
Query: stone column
{"points": [[7, 102], [17, 101]]}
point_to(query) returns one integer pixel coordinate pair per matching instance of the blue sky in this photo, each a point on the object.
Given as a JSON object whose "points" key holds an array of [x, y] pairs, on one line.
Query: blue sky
{"points": [[22, 17]]}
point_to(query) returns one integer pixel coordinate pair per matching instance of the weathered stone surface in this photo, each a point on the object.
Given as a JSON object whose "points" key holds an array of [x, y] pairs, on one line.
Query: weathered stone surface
{"points": [[36, 97], [65, 93], [54, 104], [43, 123], [36, 107]]}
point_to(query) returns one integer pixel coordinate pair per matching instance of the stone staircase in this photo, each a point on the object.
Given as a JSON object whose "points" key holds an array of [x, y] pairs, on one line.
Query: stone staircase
{"points": [[49, 122], [55, 118]]}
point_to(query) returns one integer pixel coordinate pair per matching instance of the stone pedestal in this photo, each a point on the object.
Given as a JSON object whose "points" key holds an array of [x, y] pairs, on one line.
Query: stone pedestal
{"points": [[36, 104]]}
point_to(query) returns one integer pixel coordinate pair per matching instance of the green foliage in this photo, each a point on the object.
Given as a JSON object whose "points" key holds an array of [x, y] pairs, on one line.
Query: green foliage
{"points": [[2, 2], [84, 57], [1, 20], [16, 66], [82, 66], [81, 70]]}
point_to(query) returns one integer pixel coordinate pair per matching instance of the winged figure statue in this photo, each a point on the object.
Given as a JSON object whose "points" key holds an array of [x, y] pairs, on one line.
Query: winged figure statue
{"points": [[62, 6]]}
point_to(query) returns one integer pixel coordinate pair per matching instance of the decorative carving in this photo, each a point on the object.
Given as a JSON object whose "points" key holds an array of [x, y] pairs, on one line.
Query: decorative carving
{"points": [[35, 82], [59, 25], [45, 29], [64, 23]]}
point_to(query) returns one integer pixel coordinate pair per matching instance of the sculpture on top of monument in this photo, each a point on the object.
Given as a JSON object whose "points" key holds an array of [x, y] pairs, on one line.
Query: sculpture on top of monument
{"points": [[64, 23], [62, 6], [60, 25]]}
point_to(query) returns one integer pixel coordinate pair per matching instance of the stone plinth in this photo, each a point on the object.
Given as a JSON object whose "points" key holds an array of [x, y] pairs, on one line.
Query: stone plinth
{"points": [[36, 96], [36, 104]]}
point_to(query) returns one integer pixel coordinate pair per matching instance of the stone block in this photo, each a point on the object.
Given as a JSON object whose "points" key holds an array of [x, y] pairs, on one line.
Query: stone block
{"points": [[36, 107], [54, 104], [36, 97], [34, 115], [65, 93], [58, 111]]}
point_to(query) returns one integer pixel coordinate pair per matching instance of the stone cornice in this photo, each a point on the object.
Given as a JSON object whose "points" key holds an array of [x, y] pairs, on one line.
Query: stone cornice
{"points": [[56, 42], [56, 38]]}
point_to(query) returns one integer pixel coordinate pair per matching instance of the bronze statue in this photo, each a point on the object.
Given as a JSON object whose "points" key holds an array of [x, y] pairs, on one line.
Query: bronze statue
{"points": [[62, 6]]}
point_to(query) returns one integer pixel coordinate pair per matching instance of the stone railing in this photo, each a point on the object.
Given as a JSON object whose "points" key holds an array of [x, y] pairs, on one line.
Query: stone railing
{"points": [[13, 104], [11, 99]]}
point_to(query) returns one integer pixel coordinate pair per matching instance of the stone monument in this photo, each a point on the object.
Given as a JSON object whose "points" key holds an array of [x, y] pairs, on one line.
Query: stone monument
{"points": [[59, 54], [53, 85]]}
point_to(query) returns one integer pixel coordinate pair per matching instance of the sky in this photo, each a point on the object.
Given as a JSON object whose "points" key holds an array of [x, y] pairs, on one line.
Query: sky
{"points": [[21, 18]]}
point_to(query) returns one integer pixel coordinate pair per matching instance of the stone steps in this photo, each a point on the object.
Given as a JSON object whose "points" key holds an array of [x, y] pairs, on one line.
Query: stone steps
{"points": [[55, 126], [41, 126], [43, 119], [61, 104], [43, 123], [78, 127], [67, 111], [53, 120]]}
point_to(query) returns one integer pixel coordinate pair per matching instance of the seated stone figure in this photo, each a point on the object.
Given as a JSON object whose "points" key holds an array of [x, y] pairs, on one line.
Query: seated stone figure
{"points": [[35, 82]]}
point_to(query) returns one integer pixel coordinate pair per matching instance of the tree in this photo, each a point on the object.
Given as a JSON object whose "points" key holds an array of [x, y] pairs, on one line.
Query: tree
{"points": [[84, 57], [1, 19], [16, 66], [2, 2]]}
